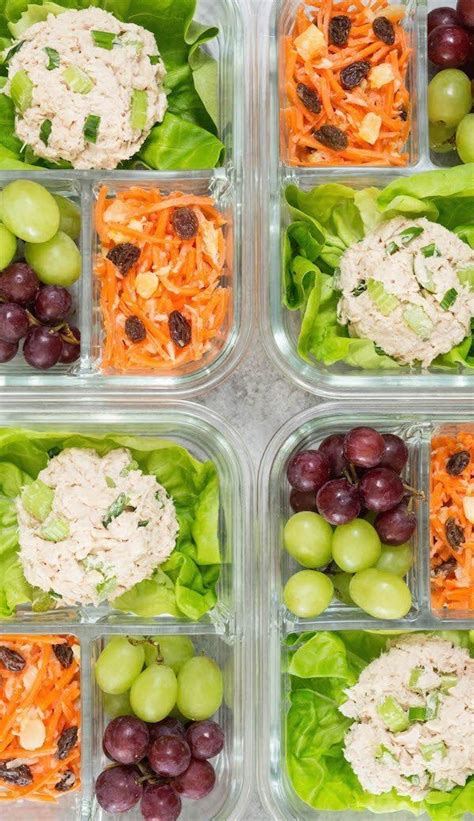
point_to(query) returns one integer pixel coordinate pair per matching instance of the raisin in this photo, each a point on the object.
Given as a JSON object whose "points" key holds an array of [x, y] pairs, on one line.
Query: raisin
{"points": [[180, 329], [446, 569], [352, 75], [64, 654], [12, 660], [383, 29], [458, 462], [20, 776], [124, 256], [454, 533], [339, 29], [67, 740], [403, 114], [68, 779], [185, 223], [309, 98], [332, 136], [135, 329]]}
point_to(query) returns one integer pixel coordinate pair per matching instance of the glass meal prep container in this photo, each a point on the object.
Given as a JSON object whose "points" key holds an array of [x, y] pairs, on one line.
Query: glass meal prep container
{"points": [[417, 423], [229, 185], [223, 634], [281, 326]]}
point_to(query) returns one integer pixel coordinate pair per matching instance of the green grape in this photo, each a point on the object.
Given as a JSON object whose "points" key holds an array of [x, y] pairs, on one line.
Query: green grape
{"points": [[200, 688], [308, 538], [441, 137], [118, 665], [174, 650], [56, 262], [356, 546], [449, 97], [341, 583], [69, 216], [119, 705], [308, 593], [7, 246], [397, 560], [465, 139], [153, 693], [29, 211], [380, 594]]}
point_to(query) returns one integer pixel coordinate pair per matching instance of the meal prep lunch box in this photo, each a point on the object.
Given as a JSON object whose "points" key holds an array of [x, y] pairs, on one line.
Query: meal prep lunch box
{"points": [[228, 185], [416, 422], [225, 634], [280, 326]]}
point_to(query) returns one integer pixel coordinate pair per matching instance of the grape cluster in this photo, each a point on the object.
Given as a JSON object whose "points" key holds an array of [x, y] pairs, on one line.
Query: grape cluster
{"points": [[157, 758], [451, 49], [352, 483]]}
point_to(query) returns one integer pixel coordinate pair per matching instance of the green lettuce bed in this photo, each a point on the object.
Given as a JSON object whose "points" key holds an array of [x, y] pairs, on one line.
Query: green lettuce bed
{"points": [[321, 666], [187, 137], [332, 217], [185, 585]]}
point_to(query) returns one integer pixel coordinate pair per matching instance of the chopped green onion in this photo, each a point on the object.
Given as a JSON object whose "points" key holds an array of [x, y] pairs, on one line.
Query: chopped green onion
{"points": [[52, 452], [105, 588], [110, 482], [382, 299], [429, 750], [21, 91], [104, 39], [55, 531], [154, 59], [360, 288], [415, 676], [45, 131], [392, 248], [12, 51], [417, 714], [91, 127], [393, 715], [77, 80], [418, 321], [430, 250], [143, 522], [413, 779], [53, 55], [37, 499], [449, 299], [115, 509], [447, 682], [409, 234], [139, 111]]}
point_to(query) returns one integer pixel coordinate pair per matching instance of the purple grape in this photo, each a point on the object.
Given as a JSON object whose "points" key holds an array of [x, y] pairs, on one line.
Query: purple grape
{"points": [[205, 738], [70, 350], [169, 755], [338, 502], [118, 789], [42, 348], [303, 500], [160, 802], [364, 447], [52, 304], [396, 526], [448, 46], [197, 781], [14, 322], [395, 454], [8, 350], [168, 726], [126, 739], [465, 11], [442, 16], [381, 489], [18, 283], [308, 470], [333, 449]]}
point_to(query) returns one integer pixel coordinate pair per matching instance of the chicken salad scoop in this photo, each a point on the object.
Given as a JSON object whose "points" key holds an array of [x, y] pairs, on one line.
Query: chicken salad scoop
{"points": [[91, 527]]}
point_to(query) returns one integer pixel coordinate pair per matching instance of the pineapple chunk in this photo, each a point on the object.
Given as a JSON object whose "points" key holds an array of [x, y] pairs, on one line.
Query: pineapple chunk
{"points": [[311, 43], [468, 505], [146, 284], [370, 128], [381, 75]]}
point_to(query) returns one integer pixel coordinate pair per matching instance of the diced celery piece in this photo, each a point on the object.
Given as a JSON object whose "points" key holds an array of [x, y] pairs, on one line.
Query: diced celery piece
{"points": [[393, 715], [418, 321], [466, 277], [430, 750], [139, 111], [447, 682], [415, 676], [423, 275], [37, 500], [385, 302], [110, 482], [382, 751], [21, 91], [432, 706], [77, 80], [55, 530]]}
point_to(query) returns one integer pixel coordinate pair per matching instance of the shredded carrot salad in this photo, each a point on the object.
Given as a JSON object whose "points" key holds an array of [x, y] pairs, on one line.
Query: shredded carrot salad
{"points": [[39, 717], [452, 521], [164, 307], [373, 115]]}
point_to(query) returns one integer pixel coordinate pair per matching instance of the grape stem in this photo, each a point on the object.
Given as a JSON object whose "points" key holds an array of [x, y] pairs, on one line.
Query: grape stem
{"points": [[414, 492]]}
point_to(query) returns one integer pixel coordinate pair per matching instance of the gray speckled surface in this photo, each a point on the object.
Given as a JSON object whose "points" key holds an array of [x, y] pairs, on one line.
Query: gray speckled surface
{"points": [[256, 400]]}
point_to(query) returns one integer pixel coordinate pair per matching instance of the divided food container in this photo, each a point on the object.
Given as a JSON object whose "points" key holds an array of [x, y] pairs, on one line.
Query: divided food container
{"points": [[281, 326], [416, 422], [230, 187], [225, 634]]}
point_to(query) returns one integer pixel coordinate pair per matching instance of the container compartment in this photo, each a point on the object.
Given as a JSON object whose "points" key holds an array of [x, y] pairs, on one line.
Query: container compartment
{"points": [[204, 434]]}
